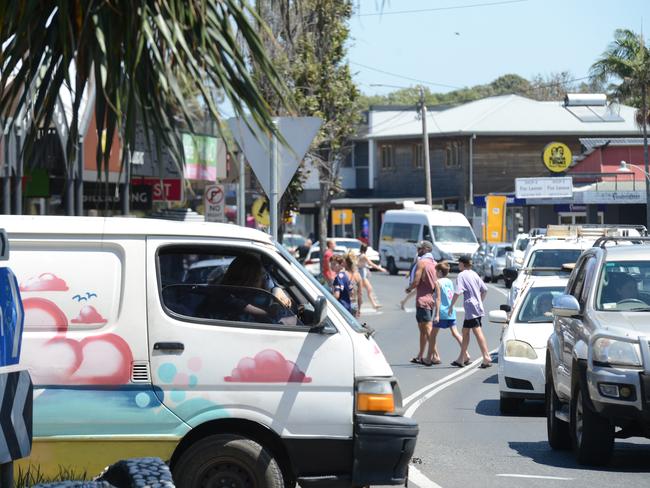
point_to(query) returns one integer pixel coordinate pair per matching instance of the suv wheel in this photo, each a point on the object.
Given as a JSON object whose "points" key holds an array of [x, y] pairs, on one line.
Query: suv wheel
{"points": [[392, 267], [592, 435], [509, 406], [557, 430]]}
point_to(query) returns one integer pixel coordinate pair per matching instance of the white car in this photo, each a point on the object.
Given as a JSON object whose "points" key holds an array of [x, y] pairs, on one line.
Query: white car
{"points": [[522, 352], [312, 260], [343, 245]]}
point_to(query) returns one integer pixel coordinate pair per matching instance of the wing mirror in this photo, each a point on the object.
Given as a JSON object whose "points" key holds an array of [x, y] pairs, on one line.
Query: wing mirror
{"points": [[498, 316], [565, 306], [510, 274], [320, 311], [506, 308]]}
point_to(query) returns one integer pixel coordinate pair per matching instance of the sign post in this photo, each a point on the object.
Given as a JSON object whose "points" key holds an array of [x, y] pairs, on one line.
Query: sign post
{"points": [[275, 165], [214, 203]]}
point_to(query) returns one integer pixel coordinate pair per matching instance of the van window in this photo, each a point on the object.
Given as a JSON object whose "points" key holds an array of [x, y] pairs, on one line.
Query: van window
{"points": [[426, 233], [56, 297], [453, 233], [229, 285], [408, 232]]}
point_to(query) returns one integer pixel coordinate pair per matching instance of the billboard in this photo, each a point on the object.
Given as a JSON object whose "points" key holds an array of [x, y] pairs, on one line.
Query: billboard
{"points": [[201, 157]]}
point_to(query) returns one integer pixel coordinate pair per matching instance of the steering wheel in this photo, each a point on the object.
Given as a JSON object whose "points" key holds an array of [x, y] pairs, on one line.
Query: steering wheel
{"points": [[631, 301]]}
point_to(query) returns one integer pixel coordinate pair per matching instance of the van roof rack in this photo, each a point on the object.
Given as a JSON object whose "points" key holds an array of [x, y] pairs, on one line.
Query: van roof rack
{"points": [[602, 241], [595, 230]]}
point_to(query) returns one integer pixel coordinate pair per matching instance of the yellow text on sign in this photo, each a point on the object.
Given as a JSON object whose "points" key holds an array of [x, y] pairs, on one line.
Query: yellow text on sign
{"points": [[557, 157], [496, 218], [260, 211], [342, 216]]}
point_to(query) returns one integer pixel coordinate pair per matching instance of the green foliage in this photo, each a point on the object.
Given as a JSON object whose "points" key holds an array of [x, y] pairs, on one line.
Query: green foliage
{"points": [[33, 476], [145, 57]]}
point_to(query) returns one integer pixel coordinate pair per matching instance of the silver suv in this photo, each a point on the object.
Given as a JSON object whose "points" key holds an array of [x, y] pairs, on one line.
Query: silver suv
{"points": [[598, 356]]}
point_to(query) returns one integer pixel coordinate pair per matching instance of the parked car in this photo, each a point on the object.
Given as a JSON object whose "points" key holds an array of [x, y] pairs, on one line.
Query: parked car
{"points": [[522, 351], [598, 355], [515, 258], [478, 259], [312, 261], [495, 261], [343, 245], [293, 241], [126, 354]]}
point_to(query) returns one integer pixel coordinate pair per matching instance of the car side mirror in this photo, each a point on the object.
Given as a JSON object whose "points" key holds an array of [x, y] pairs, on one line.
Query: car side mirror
{"points": [[510, 273], [565, 306], [509, 249], [498, 316], [506, 308]]}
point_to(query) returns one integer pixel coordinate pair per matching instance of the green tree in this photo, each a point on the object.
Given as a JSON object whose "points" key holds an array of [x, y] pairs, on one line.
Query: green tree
{"points": [[144, 57], [627, 61]]}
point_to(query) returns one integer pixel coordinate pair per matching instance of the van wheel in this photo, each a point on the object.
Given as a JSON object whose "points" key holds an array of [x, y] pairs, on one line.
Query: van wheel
{"points": [[509, 406], [391, 266], [592, 435], [227, 460], [557, 430], [137, 473]]}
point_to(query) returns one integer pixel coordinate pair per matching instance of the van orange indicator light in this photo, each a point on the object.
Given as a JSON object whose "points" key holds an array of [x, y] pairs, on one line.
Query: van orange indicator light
{"points": [[373, 402]]}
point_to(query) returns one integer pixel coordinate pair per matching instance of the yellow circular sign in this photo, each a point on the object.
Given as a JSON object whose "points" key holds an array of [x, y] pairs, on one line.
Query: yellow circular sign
{"points": [[260, 210], [557, 157]]}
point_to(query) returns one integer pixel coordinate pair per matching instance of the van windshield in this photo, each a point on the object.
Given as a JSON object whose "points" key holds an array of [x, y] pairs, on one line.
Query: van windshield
{"points": [[453, 233]]}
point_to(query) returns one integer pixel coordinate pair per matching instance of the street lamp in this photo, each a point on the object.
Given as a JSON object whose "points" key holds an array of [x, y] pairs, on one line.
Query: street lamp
{"points": [[624, 167]]}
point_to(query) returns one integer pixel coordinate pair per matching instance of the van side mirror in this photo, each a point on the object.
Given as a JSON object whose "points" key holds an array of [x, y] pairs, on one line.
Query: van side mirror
{"points": [[510, 274], [320, 311], [565, 306]]}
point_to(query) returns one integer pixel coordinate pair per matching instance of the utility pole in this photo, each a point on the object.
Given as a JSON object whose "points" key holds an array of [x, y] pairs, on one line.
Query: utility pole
{"points": [[425, 147]]}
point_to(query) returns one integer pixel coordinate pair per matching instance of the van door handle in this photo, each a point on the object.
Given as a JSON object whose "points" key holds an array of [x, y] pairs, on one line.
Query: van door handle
{"points": [[169, 346]]}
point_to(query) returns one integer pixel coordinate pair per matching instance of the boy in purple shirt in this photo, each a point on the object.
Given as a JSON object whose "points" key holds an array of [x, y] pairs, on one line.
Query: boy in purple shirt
{"points": [[471, 286]]}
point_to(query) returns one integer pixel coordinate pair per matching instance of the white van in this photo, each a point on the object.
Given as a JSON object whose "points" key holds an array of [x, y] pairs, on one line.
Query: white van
{"points": [[450, 232], [132, 354]]}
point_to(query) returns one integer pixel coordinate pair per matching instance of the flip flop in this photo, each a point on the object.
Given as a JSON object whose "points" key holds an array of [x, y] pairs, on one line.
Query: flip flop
{"points": [[467, 363], [417, 361], [485, 365], [457, 364]]}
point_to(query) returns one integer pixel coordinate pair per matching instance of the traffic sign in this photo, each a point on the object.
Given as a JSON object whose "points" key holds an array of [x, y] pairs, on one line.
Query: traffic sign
{"points": [[299, 132], [260, 210], [214, 203]]}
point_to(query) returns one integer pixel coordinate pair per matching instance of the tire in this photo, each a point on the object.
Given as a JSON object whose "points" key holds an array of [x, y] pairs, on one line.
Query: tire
{"points": [[592, 435], [559, 435], [391, 266], [138, 473], [75, 484], [237, 462], [510, 406], [507, 283]]}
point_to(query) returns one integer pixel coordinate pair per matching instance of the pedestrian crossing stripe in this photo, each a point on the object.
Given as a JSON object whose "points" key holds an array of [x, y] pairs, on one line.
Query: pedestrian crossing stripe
{"points": [[16, 395]]}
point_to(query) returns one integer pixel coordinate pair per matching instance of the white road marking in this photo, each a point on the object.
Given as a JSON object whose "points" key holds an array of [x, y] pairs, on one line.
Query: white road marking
{"points": [[533, 476], [430, 386], [416, 476], [500, 290]]}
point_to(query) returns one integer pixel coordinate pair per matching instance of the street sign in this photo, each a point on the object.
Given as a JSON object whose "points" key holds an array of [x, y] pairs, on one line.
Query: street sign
{"points": [[299, 132], [550, 187], [214, 203], [260, 210]]}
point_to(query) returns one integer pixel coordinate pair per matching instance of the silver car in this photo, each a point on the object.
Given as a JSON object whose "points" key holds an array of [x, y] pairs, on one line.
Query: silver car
{"points": [[495, 261]]}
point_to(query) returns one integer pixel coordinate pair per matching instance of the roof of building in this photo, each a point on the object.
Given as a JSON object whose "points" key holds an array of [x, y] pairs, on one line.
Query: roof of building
{"points": [[508, 115], [596, 142]]}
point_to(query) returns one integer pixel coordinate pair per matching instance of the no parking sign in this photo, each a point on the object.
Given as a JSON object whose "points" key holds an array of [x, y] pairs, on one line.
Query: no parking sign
{"points": [[214, 203]]}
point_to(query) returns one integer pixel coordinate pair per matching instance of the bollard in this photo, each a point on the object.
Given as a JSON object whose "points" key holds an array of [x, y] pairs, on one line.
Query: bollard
{"points": [[16, 390]]}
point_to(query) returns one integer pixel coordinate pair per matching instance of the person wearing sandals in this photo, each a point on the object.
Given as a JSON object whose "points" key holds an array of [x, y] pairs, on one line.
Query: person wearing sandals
{"points": [[447, 313], [426, 304], [365, 265], [471, 286]]}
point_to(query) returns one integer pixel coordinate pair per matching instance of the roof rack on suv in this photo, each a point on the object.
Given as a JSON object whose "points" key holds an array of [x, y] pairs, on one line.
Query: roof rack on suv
{"points": [[602, 241], [595, 230]]}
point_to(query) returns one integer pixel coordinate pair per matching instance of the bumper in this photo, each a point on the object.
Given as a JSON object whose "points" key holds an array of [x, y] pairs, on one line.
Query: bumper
{"points": [[383, 446], [521, 377]]}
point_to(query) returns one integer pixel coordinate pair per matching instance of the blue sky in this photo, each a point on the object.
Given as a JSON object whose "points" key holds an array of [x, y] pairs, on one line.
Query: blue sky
{"points": [[470, 46]]}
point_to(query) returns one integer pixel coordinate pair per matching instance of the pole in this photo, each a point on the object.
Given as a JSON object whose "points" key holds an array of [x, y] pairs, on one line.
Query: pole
{"points": [[18, 178], [241, 200], [274, 200], [79, 180], [644, 96], [126, 194], [6, 180], [425, 147]]}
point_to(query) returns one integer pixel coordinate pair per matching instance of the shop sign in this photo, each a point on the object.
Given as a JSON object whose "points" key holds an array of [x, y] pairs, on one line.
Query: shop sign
{"points": [[557, 157], [544, 187], [342, 216], [620, 197], [97, 196], [167, 189]]}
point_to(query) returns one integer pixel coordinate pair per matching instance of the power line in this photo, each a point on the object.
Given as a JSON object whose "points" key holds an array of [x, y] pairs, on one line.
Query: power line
{"points": [[438, 9], [405, 77]]}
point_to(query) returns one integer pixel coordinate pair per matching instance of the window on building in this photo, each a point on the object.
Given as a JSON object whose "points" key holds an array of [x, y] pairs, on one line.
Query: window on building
{"points": [[387, 153], [453, 152], [438, 158], [418, 156]]}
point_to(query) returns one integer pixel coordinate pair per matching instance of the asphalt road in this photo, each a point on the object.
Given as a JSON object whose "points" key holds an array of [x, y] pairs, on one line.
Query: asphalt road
{"points": [[464, 441]]}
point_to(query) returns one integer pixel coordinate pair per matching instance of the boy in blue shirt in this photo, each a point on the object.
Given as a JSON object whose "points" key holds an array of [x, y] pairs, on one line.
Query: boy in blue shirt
{"points": [[447, 312]]}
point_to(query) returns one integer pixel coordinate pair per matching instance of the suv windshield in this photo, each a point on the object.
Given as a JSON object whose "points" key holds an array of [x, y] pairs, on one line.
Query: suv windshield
{"points": [[624, 286], [521, 245], [453, 233], [538, 303], [553, 258]]}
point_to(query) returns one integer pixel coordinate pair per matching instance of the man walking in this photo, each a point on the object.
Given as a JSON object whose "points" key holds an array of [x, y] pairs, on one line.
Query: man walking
{"points": [[471, 286], [426, 305]]}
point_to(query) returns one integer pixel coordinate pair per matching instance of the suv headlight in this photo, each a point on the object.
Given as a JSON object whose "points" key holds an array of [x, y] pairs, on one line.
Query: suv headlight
{"points": [[608, 351], [375, 396], [520, 349]]}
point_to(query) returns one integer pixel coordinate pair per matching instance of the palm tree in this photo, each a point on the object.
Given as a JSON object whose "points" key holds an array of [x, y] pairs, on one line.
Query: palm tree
{"points": [[627, 59], [145, 57]]}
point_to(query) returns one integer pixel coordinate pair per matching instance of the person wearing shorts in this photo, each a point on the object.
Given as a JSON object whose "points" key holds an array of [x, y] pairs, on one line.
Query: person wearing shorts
{"points": [[426, 305], [447, 313], [471, 286]]}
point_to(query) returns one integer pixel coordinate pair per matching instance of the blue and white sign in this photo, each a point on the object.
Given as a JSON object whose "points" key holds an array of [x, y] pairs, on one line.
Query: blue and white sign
{"points": [[11, 319]]}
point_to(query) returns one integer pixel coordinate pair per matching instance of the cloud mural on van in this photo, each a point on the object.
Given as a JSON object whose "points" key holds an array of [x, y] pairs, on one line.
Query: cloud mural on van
{"points": [[89, 315], [268, 366], [44, 282]]}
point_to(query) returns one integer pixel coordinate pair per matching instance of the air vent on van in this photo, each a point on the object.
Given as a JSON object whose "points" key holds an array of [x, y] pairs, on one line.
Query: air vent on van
{"points": [[140, 372]]}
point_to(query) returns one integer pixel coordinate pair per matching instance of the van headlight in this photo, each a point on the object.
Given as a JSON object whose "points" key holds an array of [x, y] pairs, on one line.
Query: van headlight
{"points": [[375, 396], [520, 349], [608, 351]]}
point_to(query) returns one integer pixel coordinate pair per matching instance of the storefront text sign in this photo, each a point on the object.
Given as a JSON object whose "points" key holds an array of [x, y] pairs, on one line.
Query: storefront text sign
{"points": [[589, 197], [544, 187], [557, 157]]}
